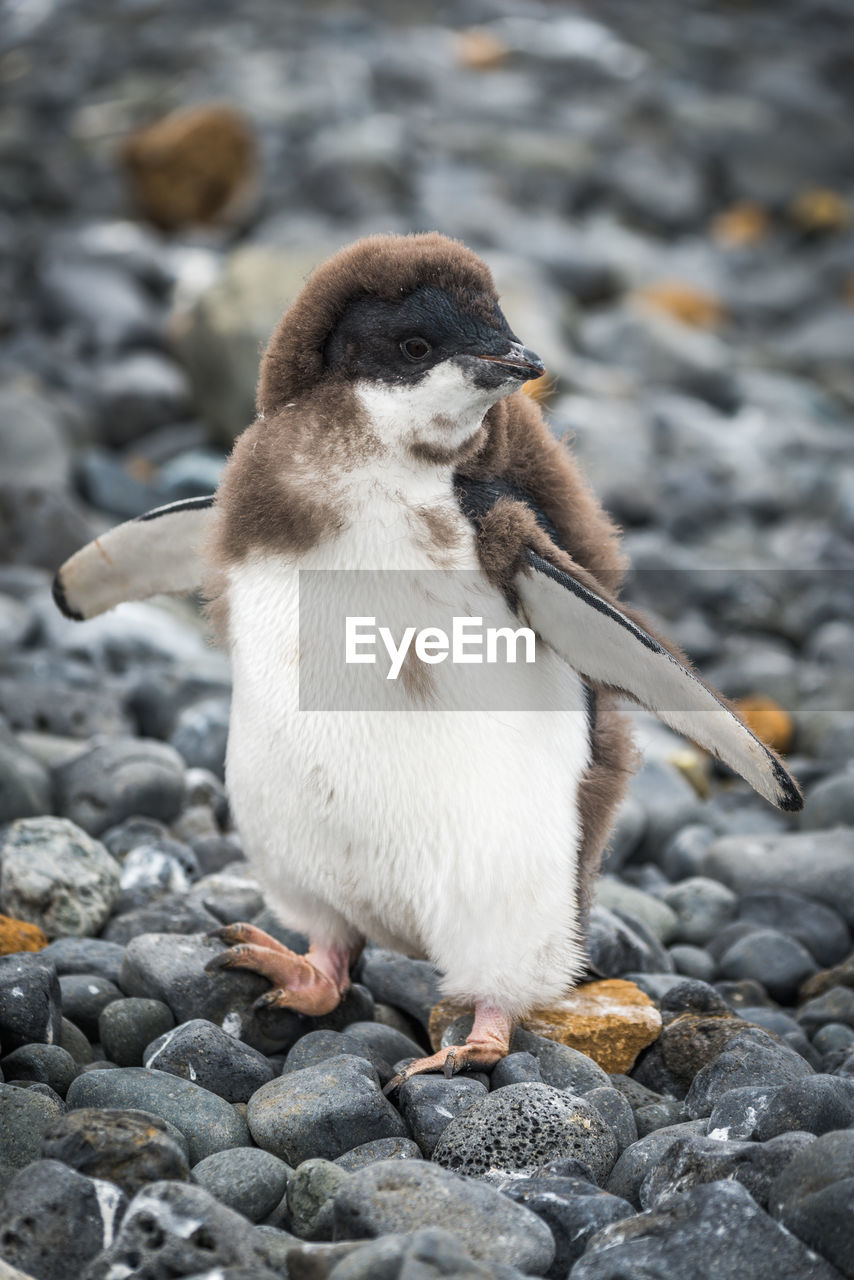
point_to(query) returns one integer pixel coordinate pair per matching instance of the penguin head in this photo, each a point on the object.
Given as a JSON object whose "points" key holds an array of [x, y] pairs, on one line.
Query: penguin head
{"points": [[412, 327]]}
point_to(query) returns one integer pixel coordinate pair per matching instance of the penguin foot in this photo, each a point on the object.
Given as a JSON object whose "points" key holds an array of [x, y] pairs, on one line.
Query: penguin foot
{"points": [[313, 984], [487, 1043]]}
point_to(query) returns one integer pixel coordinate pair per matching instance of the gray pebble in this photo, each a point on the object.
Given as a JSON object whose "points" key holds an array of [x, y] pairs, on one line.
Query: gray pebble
{"points": [[118, 778], [54, 1221], [737, 1112], [42, 1064], [779, 962], [170, 914], [815, 925], [311, 1190], [25, 788], [56, 876], [248, 1180], [202, 1052], [834, 1005], [833, 1036], [617, 1114], [84, 995], [380, 1149], [829, 804], [30, 1001], [322, 1111], [411, 985], [523, 1126], [702, 907], [693, 962], [73, 1040], [389, 1042], [207, 1121], [85, 955], [405, 1195], [24, 1116], [516, 1068], [128, 1147], [126, 1026], [319, 1046], [696, 1159], [659, 1115]]}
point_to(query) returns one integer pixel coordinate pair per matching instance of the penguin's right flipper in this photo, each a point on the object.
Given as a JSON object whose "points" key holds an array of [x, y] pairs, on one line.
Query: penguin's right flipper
{"points": [[156, 553], [600, 639]]}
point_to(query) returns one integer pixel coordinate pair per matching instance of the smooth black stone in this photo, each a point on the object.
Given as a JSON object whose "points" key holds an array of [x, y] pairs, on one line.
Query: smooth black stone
{"points": [[617, 1114], [388, 1042], [202, 1052], [127, 1147], [812, 1197], [311, 1190], [516, 1068], [429, 1103], [84, 995], [42, 1064], [85, 955], [318, 1046], [637, 1160], [117, 779], [127, 1026], [779, 962], [30, 1001], [54, 1221], [172, 914], [72, 1039], [411, 985], [835, 1005]]}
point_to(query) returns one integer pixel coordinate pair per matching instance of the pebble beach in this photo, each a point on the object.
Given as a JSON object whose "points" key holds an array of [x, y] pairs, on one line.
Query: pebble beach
{"points": [[665, 194]]}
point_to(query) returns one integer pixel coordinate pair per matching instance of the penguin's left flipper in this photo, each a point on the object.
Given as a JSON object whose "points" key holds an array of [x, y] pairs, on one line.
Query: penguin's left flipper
{"points": [[603, 643], [156, 553]]}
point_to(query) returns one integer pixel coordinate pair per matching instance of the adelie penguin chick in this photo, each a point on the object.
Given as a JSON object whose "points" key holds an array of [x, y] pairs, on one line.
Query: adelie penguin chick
{"points": [[392, 434]]}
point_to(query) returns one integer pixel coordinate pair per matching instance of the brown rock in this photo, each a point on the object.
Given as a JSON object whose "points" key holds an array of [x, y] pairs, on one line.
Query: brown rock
{"points": [[692, 1040], [841, 975], [820, 209], [610, 1021], [480, 50], [193, 166], [18, 935], [742, 224]]}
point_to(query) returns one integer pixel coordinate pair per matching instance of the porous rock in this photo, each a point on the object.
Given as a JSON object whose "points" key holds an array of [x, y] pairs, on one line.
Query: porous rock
{"points": [[523, 1126], [54, 875]]}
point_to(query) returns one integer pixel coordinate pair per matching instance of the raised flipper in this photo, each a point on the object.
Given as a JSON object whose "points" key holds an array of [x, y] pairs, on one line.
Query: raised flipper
{"points": [[605, 645], [153, 554]]}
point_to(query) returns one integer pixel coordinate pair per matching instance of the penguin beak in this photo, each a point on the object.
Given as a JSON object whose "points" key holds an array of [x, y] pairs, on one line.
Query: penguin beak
{"points": [[519, 362]]}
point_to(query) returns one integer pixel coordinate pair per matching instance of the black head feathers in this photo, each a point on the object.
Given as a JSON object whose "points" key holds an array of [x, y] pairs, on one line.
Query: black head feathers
{"points": [[386, 267]]}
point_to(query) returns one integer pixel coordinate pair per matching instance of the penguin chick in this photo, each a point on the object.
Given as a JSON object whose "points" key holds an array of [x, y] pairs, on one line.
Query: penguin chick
{"points": [[391, 435]]}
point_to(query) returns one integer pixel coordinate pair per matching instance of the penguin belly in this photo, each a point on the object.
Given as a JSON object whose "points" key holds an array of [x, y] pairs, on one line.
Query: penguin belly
{"points": [[445, 833]]}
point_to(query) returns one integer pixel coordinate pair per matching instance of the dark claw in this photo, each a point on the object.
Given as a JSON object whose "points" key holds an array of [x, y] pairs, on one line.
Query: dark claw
{"points": [[225, 933], [449, 1066], [222, 960], [269, 1000]]}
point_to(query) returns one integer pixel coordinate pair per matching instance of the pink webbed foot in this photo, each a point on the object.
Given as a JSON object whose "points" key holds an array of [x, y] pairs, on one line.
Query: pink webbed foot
{"points": [[313, 984], [487, 1043]]}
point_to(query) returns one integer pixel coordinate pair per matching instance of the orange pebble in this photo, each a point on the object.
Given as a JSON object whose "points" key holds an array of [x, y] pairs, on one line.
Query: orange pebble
{"points": [[18, 935], [768, 720], [744, 223], [684, 302]]}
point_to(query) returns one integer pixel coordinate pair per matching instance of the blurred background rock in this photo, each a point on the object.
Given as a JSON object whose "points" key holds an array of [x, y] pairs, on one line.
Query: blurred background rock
{"points": [[664, 190]]}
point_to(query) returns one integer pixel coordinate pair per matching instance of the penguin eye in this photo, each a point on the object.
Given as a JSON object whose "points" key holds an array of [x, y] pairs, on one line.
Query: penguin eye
{"points": [[416, 348]]}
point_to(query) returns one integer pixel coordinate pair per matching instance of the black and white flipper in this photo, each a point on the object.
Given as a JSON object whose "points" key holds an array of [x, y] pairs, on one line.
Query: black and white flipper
{"points": [[156, 553], [607, 647]]}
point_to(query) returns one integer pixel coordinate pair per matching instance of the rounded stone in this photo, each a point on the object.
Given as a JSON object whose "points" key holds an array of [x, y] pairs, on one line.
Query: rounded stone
{"points": [[322, 1111], [128, 1147], [42, 1064], [119, 778], [24, 1116], [54, 875], [750, 1058], [405, 1195], [86, 955], [84, 996], [523, 1126], [30, 1001], [206, 1054], [244, 1178], [310, 1193], [380, 1149], [429, 1103], [208, 1122], [127, 1026], [702, 908], [777, 961], [693, 962], [816, 1104]]}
